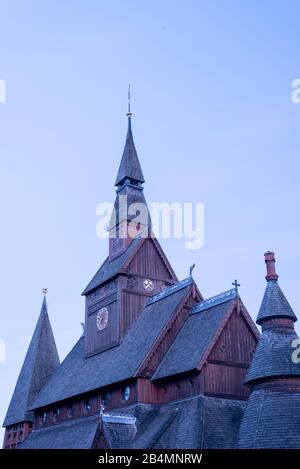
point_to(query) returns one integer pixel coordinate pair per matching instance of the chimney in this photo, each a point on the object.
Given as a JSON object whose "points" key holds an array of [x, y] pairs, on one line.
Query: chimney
{"points": [[270, 263]]}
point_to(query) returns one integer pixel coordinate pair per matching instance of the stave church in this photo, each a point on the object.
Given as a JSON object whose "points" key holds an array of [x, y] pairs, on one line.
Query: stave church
{"points": [[158, 365]]}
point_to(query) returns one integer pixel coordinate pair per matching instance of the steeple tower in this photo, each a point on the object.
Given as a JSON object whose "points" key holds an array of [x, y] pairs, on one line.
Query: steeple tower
{"points": [[40, 363], [130, 217], [272, 416], [136, 267], [130, 170]]}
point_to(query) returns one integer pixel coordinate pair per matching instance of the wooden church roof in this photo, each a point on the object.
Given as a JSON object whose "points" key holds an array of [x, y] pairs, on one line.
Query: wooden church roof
{"points": [[130, 166], [174, 425], [78, 374], [40, 363]]}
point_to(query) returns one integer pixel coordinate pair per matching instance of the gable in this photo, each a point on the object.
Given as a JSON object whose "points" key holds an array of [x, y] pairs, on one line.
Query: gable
{"points": [[159, 267], [236, 343], [229, 358], [193, 340]]}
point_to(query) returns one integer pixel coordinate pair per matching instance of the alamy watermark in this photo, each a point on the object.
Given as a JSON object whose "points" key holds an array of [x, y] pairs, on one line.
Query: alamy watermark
{"points": [[296, 352], [167, 220], [2, 91]]}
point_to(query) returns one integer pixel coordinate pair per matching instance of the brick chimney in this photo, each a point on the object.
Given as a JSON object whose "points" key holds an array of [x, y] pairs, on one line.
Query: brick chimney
{"points": [[270, 263]]}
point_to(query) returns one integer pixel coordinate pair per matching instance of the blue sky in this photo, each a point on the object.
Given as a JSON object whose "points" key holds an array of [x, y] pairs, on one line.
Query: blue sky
{"points": [[213, 123]]}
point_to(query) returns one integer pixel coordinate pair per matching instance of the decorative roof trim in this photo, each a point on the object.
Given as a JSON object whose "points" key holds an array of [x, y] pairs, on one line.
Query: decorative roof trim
{"points": [[214, 301], [120, 419], [170, 290]]}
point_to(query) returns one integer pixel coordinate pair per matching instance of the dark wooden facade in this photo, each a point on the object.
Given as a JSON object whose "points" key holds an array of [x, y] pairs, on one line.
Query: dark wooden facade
{"points": [[125, 296]]}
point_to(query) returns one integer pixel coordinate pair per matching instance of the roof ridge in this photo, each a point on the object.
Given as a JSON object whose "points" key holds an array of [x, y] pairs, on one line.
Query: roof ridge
{"points": [[170, 290], [215, 300]]}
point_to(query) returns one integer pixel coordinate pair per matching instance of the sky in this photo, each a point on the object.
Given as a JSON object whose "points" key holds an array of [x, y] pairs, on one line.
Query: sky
{"points": [[213, 122]]}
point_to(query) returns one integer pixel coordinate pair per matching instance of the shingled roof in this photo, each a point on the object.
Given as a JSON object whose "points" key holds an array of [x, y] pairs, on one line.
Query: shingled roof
{"points": [[78, 374], [272, 416], [274, 304], [198, 422], [271, 420], [130, 166], [72, 434], [40, 363], [273, 356], [196, 335]]}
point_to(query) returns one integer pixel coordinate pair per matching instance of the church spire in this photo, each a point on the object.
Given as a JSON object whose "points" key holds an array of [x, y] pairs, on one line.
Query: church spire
{"points": [[273, 375], [273, 355], [130, 169], [274, 303], [40, 363]]}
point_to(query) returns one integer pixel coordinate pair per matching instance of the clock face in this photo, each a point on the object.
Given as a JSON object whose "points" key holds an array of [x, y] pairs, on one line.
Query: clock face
{"points": [[148, 284], [102, 318]]}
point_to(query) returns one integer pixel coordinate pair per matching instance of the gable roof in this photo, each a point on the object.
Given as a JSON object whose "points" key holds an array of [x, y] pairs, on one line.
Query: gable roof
{"points": [[274, 304], [193, 340], [78, 374], [130, 166], [71, 434], [40, 363], [112, 267]]}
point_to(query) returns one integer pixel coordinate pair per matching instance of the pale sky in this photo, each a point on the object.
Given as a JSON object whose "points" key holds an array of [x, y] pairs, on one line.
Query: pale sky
{"points": [[213, 123]]}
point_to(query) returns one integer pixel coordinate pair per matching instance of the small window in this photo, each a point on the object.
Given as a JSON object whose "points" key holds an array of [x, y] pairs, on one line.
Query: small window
{"points": [[126, 393], [106, 398], [56, 413], [87, 405], [70, 410], [43, 418]]}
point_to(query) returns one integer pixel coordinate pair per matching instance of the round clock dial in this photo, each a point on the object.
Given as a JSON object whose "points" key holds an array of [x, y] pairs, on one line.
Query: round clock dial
{"points": [[148, 284], [102, 318]]}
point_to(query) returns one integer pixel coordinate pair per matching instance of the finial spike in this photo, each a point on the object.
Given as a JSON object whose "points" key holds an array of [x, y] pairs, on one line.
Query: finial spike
{"points": [[129, 113], [45, 291], [191, 269]]}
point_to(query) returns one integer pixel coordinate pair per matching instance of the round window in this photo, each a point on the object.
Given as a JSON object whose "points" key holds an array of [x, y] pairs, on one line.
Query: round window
{"points": [[126, 393]]}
